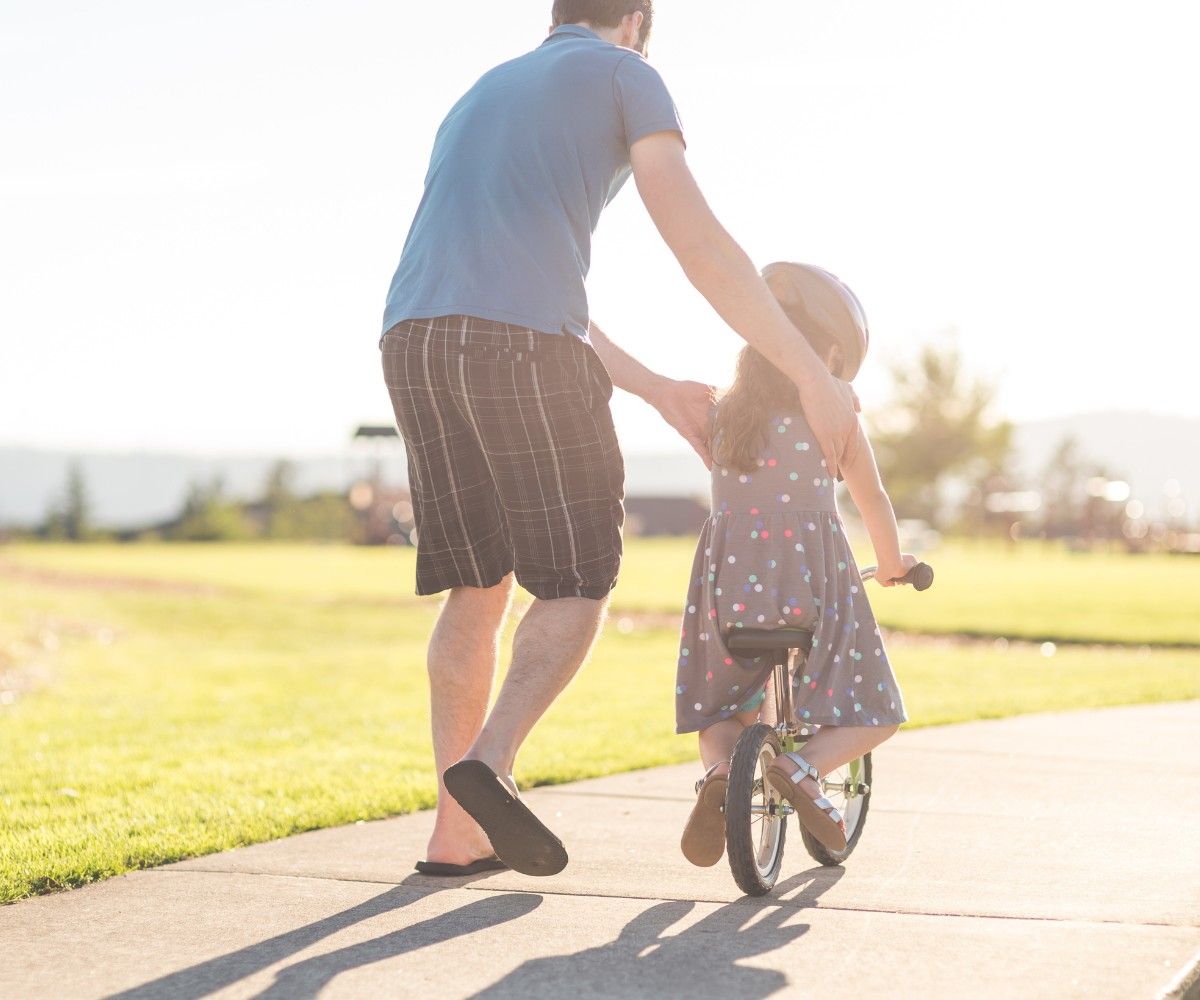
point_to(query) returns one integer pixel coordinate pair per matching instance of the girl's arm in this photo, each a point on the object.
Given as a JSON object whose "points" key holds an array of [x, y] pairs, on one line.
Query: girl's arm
{"points": [[871, 499]]}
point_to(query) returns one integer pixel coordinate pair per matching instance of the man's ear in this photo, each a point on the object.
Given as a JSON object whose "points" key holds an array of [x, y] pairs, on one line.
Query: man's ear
{"points": [[633, 23]]}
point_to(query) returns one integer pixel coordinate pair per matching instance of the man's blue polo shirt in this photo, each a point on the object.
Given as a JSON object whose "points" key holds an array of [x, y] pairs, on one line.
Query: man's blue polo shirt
{"points": [[521, 169]]}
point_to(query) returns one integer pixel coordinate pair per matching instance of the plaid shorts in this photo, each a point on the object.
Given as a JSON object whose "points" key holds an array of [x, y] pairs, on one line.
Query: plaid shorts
{"points": [[513, 462]]}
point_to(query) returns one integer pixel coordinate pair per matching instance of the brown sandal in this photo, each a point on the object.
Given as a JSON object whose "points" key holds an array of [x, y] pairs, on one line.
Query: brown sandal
{"points": [[817, 815], [703, 840]]}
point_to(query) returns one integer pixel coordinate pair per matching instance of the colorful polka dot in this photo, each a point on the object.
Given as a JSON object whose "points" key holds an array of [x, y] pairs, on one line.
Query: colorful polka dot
{"points": [[763, 598]]}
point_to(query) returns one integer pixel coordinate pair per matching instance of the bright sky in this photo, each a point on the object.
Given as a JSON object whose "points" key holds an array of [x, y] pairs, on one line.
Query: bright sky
{"points": [[201, 205]]}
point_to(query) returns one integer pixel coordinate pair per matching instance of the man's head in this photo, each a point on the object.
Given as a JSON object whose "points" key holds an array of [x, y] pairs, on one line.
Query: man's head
{"points": [[631, 19]]}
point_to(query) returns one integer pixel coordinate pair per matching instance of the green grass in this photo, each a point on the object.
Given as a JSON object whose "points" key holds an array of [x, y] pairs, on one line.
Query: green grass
{"points": [[287, 692], [1032, 591]]}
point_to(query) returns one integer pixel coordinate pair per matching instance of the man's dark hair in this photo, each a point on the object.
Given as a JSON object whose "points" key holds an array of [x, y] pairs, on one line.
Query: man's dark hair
{"points": [[605, 14]]}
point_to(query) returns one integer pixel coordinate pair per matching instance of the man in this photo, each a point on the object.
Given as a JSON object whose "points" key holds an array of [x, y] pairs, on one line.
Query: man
{"points": [[500, 384]]}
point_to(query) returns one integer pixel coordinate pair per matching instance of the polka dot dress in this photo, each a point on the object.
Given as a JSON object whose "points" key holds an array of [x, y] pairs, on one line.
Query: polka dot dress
{"points": [[773, 553]]}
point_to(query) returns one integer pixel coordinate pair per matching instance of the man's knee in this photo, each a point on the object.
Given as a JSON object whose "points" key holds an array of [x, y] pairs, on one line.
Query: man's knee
{"points": [[483, 599], [471, 618]]}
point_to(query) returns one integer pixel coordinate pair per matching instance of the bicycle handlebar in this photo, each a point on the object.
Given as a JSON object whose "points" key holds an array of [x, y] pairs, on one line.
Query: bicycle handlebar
{"points": [[920, 576]]}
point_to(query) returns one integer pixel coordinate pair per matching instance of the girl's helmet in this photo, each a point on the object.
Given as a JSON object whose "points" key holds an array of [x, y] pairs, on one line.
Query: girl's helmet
{"points": [[823, 309]]}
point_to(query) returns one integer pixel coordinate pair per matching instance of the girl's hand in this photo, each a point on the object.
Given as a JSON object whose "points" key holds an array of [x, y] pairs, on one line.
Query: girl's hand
{"points": [[890, 573]]}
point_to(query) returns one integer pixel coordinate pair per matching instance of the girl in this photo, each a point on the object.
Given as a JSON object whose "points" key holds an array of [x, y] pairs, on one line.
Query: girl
{"points": [[774, 552]]}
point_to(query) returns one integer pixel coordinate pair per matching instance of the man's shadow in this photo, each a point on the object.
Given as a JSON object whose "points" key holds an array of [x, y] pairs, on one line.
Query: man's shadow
{"points": [[701, 959], [306, 979]]}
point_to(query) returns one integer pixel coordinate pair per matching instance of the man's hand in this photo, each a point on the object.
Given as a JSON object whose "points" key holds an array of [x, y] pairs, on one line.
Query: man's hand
{"points": [[727, 278], [685, 406], [830, 406]]}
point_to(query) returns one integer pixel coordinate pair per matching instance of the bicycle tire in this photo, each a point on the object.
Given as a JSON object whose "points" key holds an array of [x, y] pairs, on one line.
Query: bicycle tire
{"points": [[754, 862]]}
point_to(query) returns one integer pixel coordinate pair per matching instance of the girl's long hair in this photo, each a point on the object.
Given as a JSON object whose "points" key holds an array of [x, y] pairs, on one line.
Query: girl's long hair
{"points": [[760, 393]]}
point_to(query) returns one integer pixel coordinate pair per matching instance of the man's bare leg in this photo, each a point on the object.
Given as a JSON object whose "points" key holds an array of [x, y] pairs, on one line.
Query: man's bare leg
{"points": [[550, 645], [464, 652]]}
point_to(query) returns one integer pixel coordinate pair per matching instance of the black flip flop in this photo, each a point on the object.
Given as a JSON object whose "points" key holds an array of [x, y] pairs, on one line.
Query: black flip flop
{"points": [[518, 837], [442, 870]]}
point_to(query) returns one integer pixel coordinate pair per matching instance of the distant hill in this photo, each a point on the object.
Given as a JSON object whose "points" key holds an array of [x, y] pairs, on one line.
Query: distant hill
{"points": [[138, 488], [1145, 449], [131, 489]]}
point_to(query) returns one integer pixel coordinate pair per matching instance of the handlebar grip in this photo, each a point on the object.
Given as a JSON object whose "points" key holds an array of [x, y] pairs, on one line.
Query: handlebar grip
{"points": [[920, 576]]}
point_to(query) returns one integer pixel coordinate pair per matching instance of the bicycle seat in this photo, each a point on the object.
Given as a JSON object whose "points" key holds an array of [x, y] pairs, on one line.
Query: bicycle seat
{"points": [[757, 641]]}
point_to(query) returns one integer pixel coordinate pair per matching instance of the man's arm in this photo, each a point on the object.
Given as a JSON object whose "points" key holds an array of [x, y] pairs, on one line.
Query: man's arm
{"points": [[725, 276], [683, 405]]}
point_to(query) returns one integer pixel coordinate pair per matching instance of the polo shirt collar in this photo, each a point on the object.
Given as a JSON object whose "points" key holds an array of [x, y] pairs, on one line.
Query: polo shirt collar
{"points": [[578, 30]]}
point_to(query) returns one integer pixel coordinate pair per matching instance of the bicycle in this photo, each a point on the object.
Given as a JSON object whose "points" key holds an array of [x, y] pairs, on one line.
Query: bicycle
{"points": [[755, 813]]}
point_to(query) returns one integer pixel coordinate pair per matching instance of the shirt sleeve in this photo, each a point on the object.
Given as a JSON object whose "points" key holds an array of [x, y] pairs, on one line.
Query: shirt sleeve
{"points": [[643, 99]]}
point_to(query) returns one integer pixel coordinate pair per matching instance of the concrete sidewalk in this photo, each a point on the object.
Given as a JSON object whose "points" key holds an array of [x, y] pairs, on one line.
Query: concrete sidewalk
{"points": [[1044, 856]]}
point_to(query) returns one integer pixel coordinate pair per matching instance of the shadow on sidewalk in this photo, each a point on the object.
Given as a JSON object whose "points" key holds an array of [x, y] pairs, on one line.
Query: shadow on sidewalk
{"points": [[701, 959], [305, 979]]}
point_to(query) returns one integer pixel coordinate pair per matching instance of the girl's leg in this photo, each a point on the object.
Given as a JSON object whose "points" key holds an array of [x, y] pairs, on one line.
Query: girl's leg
{"points": [[703, 840], [834, 746], [718, 740]]}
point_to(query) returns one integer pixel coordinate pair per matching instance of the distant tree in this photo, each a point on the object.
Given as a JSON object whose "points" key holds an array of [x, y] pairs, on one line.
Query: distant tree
{"points": [[69, 518], [78, 505], [1064, 489], [323, 517], [281, 513], [936, 427], [279, 500], [280, 488], [208, 517]]}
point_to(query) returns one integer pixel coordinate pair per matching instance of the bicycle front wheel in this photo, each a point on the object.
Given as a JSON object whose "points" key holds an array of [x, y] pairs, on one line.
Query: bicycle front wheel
{"points": [[755, 816]]}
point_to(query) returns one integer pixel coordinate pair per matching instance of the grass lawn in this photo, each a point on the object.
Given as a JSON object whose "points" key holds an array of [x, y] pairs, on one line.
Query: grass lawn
{"points": [[1032, 591], [235, 694]]}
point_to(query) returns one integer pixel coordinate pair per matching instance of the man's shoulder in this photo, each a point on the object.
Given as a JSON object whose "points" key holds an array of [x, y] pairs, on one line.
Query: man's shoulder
{"points": [[581, 56]]}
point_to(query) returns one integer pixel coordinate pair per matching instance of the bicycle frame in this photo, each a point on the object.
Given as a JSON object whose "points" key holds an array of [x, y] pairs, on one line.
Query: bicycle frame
{"points": [[784, 720], [792, 734]]}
